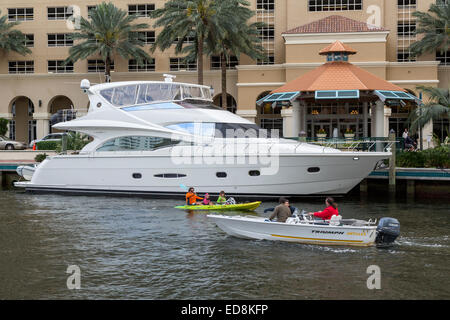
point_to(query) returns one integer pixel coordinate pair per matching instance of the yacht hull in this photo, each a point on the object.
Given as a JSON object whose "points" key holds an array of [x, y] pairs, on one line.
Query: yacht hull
{"points": [[160, 176]]}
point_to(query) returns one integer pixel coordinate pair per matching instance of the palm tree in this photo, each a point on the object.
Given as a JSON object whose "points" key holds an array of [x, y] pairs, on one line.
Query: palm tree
{"points": [[437, 107], [110, 31], [185, 18], [434, 25], [236, 36], [11, 39]]}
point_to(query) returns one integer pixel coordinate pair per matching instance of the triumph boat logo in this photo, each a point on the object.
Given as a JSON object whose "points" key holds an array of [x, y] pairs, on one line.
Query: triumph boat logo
{"points": [[327, 232]]}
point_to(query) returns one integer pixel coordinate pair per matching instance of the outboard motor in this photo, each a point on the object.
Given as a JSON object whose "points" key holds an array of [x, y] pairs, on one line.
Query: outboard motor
{"points": [[388, 230]]}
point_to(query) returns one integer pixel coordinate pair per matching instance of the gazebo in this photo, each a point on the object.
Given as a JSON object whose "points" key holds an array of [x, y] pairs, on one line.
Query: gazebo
{"points": [[337, 95]]}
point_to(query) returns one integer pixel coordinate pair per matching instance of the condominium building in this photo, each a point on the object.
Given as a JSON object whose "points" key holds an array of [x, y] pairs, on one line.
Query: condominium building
{"points": [[38, 89]]}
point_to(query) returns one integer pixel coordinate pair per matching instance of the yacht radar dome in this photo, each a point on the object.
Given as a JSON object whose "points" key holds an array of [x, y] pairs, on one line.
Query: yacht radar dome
{"points": [[169, 77], [85, 85]]}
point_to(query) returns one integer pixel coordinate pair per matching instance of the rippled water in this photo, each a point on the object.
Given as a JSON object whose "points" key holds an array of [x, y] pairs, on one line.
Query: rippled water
{"points": [[131, 248]]}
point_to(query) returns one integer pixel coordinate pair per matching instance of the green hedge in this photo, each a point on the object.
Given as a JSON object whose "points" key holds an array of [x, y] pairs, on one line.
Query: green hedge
{"points": [[47, 145], [438, 157]]}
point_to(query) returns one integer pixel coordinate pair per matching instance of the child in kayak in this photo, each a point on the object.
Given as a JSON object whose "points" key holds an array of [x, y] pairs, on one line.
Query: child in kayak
{"points": [[191, 197], [206, 200], [222, 199]]}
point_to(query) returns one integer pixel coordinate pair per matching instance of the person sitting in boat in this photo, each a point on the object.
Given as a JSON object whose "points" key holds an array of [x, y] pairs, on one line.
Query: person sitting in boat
{"points": [[206, 200], [222, 199], [282, 211], [191, 197], [328, 212]]}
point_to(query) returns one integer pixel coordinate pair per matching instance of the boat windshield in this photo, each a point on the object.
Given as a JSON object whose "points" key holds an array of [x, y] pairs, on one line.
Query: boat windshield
{"points": [[221, 130], [135, 94]]}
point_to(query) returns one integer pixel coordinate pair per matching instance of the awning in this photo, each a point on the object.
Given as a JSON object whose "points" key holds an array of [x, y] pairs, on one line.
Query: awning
{"points": [[279, 97], [337, 94], [395, 95]]}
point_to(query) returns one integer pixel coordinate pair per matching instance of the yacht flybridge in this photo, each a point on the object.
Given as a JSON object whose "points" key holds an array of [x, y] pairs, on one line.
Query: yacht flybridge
{"points": [[152, 138]]}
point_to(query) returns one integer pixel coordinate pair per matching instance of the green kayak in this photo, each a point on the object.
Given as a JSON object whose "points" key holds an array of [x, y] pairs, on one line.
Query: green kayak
{"points": [[239, 206]]}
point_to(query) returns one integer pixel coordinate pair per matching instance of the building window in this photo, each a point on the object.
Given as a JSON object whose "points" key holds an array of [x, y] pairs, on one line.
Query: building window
{"points": [[15, 67], [334, 5], [216, 64], [20, 14], [265, 5], [58, 66], [180, 64], [12, 129], [89, 10], [148, 37], [186, 40], [29, 41], [270, 60], [406, 4], [141, 10], [406, 29], [443, 58], [59, 13], [59, 40], [267, 33], [98, 66], [147, 65]]}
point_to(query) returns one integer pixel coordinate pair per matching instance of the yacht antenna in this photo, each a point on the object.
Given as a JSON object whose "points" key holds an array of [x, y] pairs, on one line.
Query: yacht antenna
{"points": [[168, 77]]}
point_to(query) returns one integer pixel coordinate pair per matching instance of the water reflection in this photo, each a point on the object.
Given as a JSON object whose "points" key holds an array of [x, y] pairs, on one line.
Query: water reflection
{"points": [[145, 249]]}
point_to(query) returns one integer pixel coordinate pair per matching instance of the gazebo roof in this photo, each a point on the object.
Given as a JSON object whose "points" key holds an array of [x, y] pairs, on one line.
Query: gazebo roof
{"points": [[338, 75]]}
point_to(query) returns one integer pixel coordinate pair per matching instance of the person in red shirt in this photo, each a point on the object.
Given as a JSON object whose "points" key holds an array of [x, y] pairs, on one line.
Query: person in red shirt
{"points": [[330, 210]]}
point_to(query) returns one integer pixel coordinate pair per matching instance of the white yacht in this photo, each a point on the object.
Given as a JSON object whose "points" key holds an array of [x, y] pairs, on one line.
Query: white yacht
{"points": [[156, 138]]}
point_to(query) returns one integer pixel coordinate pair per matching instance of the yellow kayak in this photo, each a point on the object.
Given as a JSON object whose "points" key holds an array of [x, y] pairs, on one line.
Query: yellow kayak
{"points": [[239, 206]]}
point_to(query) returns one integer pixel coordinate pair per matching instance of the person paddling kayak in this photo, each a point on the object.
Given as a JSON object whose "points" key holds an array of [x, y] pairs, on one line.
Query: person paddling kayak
{"points": [[191, 197]]}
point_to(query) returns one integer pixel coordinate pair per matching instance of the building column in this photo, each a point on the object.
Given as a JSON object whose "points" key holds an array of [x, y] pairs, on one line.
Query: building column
{"points": [[387, 115], [287, 115], [248, 114], [42, 124], [296, 118], [427, 132], [303, 112], [379, 118], [365, 119]]}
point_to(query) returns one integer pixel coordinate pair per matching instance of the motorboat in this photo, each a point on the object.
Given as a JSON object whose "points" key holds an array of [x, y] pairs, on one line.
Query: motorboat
{"points": [[304, 229], [150, 137]]}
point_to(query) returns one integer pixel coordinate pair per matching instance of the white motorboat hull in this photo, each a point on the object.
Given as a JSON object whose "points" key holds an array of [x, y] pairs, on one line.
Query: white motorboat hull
{"points": [[26, 171], [259, 228], [114, 174]]}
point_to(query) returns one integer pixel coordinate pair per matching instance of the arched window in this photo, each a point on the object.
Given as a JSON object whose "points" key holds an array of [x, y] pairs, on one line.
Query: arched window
{"points": [[269, 115]]}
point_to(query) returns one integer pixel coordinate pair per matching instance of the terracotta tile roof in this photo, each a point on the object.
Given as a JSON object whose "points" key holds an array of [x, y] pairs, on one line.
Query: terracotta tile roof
{"points": [[337, 46], [337, 76], [335, 24]]}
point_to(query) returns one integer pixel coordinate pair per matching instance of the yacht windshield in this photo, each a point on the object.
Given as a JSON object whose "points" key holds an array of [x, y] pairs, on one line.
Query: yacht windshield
{"points": [[136, 94], [221, 130]]}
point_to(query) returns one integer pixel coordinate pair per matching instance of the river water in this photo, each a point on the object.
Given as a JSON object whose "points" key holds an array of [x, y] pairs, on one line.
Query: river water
{"points": [[133, 248]]}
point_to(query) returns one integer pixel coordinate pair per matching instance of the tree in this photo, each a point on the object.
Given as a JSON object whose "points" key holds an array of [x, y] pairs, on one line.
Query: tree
{"points": [[434, 25], [3, 126], [437, 107], [109, 32], [11, 39], [187, 18]]}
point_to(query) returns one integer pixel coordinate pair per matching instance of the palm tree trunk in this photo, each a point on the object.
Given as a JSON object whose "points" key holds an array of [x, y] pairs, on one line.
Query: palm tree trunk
{"points": [[223, 66], [108, 69], [200, 60]]}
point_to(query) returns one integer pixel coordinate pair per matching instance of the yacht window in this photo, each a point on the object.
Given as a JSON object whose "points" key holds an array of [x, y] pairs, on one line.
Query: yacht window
{"points": [[170, 175], [221, 174], [205, 129], [137, 143], [254, 173], [137, 175], [313, 169]]}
